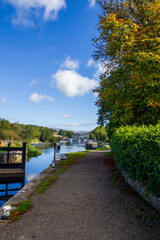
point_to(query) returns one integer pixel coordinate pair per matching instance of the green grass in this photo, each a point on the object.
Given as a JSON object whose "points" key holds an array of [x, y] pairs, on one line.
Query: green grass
{"points": [[115, 181], [32, 151], [16, 218], [101, 148], [44, 184], [108, 154], [22, 207], [146, 194], [142, 215]]}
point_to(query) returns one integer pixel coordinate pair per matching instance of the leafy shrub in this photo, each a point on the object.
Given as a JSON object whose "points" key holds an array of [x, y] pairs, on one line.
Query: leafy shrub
{"points": [[32, 151], [137, 152]]}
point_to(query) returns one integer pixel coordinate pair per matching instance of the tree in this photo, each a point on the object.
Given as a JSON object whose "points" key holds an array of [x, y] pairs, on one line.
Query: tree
{"points": [[65, 133], [5, 124], [129, 46], [99, 134]]}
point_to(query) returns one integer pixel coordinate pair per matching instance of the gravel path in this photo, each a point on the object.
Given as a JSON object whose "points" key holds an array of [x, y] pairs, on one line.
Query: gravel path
{"points": [[90, 201]]}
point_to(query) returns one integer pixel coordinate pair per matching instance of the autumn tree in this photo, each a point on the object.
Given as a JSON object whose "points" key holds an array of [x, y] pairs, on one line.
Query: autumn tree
{"points": [[129, 46]]}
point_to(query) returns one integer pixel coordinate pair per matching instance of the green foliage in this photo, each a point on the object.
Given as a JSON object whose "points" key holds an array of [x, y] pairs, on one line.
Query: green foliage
{"points": [[65, 133], [99, 134], [28, 133], [5, 124], [137, 152], [32, 151], [129, 47]]}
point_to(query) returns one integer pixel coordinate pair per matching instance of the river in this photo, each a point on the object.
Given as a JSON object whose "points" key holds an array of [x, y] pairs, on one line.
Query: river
{"points": [[37, 164]]}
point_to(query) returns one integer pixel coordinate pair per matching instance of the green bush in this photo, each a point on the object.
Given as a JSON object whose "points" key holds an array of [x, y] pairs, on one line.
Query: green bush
{"points": [[137, 152], [32, 151]]}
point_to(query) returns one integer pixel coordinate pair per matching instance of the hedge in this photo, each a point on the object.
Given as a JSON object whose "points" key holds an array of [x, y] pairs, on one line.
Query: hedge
{"points": [[137, 152]]}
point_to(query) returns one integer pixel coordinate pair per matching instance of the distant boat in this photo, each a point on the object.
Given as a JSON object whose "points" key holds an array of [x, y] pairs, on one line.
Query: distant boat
{"points": [[90, 145]]}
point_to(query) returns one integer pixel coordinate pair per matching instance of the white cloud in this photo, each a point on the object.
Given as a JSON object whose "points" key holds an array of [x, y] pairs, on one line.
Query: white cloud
{"points": [[70, 64], [90, 62], [99, 67], [4, 100], [65, 116], [37, 98], [34, 81], [92, 3], [45, 9], [22, 18], [72, 84], [31, 176]]}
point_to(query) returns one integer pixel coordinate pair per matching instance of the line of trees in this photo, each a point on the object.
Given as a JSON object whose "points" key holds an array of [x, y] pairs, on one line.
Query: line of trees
{"points": [[65, 133], [128, 45], [29, 132]]}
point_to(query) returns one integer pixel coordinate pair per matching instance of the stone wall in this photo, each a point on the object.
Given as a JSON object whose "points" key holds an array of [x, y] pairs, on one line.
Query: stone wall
{"points": [[138, 187], [13, 157]]}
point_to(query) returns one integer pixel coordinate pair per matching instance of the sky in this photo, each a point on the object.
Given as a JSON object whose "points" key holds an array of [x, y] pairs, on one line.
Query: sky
{"points": [[47, 72]]}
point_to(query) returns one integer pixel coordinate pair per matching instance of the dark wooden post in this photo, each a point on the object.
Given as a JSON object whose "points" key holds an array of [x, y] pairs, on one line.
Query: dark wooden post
{"points": [[24, 155], [6, 189], [9, 143]]}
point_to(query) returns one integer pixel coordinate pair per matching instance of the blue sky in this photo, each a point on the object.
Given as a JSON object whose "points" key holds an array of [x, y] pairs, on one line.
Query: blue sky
{"points": [[46, 70]]}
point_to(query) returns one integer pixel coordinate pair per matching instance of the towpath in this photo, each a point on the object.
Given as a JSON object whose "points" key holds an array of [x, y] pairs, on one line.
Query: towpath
{"points": [[90, 201]]}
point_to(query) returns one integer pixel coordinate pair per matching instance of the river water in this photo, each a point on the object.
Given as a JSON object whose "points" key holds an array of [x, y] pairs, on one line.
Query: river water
{"points": [[36, 165]]}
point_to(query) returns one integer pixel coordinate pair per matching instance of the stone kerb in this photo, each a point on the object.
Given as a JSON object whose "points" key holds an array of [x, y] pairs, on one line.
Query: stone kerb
{"points": [[138, 187]]}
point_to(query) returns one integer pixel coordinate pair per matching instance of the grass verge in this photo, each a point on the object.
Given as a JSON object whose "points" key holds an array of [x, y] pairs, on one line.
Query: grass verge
{"points": [[21, 208], [101, 148]]}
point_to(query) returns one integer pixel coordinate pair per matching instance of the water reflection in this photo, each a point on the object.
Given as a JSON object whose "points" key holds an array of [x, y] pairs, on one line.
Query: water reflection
{"points": [[30, 177], [38, 164], [10, 185]]}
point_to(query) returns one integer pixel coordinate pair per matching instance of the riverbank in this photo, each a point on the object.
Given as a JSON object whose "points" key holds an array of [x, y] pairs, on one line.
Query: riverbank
{"points": [[90, 201]]}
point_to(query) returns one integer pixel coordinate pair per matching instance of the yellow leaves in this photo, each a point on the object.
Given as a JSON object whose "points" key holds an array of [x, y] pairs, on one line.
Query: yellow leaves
{"points": [[154, 103], [119, 33], [111, 17], [136, 26]]}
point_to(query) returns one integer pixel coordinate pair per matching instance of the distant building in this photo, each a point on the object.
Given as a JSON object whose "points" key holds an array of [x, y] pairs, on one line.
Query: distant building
{"points": [[80, 136]]}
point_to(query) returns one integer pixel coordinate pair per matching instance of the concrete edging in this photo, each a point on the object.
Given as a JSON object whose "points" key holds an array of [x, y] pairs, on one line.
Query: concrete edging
{"points": [[141, 190]]}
